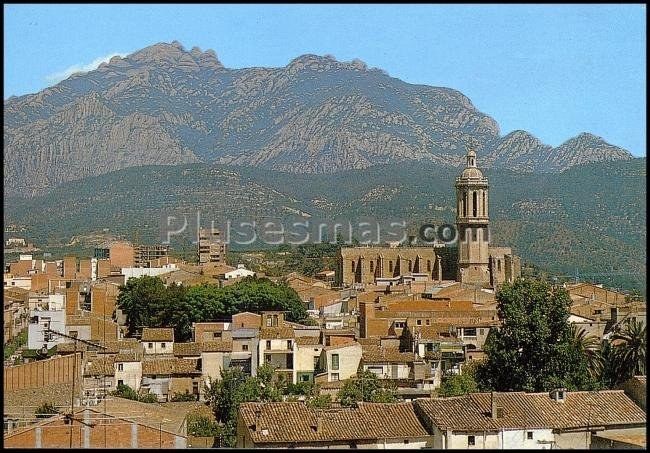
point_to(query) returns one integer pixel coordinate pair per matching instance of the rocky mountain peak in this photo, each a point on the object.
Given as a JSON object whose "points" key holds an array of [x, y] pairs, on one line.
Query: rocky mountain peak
{"points": [[325, 62], [174, 54]]}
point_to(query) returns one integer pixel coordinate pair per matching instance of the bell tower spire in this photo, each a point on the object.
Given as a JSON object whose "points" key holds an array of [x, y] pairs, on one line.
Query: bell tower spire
{"points": [[472, 222]]}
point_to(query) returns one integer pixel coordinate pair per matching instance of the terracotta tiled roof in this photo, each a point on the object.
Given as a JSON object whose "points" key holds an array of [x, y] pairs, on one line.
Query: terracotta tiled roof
{"points": [[431, 332], [268, 333], [170, 366], [340, 346], [125, 345], [100, 367], [127, 357], [187, 349], [382, 354], [157, 334], [369, 341], [307, 341], [532, 410], [69, 347], [338, 332], [294, 422], [216, 346]]}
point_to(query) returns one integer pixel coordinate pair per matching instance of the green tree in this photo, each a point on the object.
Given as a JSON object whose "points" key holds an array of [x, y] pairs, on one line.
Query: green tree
{"points": [[148, 398], [533, 350], [235, 387], [319, 402], [187, 396], [141, 300], [631, 350], [458, 384], [202, 425], [586, 345], [257, 294], [124, 391], [367, 387], [607, 364], [45, 410]]}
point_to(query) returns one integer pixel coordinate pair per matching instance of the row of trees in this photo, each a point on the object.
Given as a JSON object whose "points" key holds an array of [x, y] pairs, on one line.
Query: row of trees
{"points": [[147, 302], [536, 349]]}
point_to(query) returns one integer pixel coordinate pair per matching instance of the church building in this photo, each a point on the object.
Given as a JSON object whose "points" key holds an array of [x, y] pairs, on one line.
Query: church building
{"points": [[479, 264]]}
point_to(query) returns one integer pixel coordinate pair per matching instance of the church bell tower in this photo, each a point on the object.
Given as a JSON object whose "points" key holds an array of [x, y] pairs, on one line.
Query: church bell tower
{"points": [[472, 222]]}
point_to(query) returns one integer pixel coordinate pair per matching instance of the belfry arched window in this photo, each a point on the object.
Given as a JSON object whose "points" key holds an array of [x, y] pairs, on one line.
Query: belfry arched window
{"points": [[464, 204], [474, 203], [483, 203]]}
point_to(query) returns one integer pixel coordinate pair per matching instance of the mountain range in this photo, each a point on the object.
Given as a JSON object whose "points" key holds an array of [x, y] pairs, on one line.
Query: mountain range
{"points": [[165, 105]]}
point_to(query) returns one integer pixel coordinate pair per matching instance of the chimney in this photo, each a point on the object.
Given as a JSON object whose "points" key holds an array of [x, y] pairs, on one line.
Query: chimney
{"points": [[493, 407], [558, 395]]}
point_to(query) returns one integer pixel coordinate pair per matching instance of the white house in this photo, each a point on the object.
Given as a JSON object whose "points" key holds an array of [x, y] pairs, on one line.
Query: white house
{"points": [[241, 271], [39, 322], [518, 420], [339, 362], [157, 340], [128, 370], [137, 272]]}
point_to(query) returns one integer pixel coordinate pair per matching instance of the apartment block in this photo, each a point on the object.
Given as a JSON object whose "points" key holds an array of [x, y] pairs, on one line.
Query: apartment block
{"points": [[211, 249]]}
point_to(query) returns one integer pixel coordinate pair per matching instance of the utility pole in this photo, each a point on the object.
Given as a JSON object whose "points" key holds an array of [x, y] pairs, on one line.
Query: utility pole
{"points": [[74, 372]]}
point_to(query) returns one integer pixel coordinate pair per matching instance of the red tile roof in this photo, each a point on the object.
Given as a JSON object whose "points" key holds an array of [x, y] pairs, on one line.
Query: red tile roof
{"points": [[289, 422], [532, 410]]}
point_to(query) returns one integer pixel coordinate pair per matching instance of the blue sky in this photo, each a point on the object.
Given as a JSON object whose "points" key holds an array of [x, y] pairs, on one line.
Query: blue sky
{"points": [[553, 70]]}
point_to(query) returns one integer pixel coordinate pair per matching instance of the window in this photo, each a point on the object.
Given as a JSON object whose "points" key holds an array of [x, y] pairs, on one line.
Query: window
{"points": [[471, 440], [372, 266], [216, 335], [410, 266], [162, 345], [428, 321], [268, 344], [483, 203], [267, 358], [150, 345], [120, 382], [390, 266], [474, 204], [499, 265], [120, 367], [268, 322], [406, 441], [529, 435], [598, 312], [335, 361], [195, 388], [289, 344], [275, 320], [74, 333], [335, 376], [304, 378], [419, 322], [428, 265], [352, 266], [316, 361], [244, 347], [469, 331], [480, 331]]}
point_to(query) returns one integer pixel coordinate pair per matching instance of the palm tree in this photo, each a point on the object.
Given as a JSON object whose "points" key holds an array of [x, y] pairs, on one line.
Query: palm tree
{"points": [[606, 365], [631, 350], [588, 346]]}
